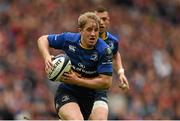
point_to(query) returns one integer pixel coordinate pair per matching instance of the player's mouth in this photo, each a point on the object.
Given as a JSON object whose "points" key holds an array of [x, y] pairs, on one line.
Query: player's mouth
{"points": [[92, 38], [102, 27]]}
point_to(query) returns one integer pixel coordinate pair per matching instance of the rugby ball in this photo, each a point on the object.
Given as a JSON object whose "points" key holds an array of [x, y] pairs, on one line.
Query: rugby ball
{"points": [[61, 64]]}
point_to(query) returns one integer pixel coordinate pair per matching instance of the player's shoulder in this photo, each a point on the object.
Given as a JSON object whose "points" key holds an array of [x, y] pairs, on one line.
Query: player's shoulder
{"points": [[71, 36], [101, 45], [112, 37]]}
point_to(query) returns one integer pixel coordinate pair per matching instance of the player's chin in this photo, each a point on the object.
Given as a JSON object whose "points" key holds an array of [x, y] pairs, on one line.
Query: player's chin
{"points": [[102, 30], [91, 45], [92, 42]]}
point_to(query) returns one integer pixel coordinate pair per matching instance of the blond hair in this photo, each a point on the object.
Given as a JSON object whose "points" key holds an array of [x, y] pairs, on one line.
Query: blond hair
{"points": [[82, 20]]}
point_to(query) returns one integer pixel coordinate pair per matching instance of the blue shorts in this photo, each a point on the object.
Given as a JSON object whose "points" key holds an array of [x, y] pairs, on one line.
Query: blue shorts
{"points": [[64, 96]]}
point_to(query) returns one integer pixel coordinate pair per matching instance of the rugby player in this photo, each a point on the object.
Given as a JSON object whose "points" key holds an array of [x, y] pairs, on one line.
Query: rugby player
{"points": [[91, 60]]}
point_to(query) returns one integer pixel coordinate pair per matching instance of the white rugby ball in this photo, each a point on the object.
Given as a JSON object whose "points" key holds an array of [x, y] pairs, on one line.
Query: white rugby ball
{"points": [[61, 64]]}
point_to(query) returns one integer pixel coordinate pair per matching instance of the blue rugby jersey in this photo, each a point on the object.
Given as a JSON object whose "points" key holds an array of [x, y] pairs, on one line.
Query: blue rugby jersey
{"points": [[112, 41], [87, 62]]}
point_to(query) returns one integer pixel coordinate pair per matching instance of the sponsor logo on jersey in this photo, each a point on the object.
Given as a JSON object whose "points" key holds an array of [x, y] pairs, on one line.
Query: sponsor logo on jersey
{"points": [[81, 65], [57, 105], [104, 98], [80, 69], [65, 98]]}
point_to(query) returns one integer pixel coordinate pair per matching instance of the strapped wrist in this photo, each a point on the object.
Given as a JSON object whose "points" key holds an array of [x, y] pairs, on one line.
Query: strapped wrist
{"points": [[120, 71]]}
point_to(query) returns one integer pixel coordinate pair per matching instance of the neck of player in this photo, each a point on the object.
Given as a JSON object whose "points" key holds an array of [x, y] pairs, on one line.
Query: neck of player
{"points": [[85, 45], [103, 35]]}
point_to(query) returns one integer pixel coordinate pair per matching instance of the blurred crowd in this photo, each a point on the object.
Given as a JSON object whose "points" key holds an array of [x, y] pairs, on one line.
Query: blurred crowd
{"points": [[149, 32]]}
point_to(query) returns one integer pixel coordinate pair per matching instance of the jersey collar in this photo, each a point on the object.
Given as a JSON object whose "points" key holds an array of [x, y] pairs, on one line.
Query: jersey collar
{"points": [[104, 35], [80, 44]]}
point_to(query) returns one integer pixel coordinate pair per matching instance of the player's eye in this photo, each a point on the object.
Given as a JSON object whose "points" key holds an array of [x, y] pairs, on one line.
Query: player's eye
{"points": [[89, 29], [96, 29], [104, 19]]}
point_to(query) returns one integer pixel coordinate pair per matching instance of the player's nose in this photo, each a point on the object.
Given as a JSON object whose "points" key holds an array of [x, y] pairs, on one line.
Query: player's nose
{"points": [[93, 33], [101, 22]]}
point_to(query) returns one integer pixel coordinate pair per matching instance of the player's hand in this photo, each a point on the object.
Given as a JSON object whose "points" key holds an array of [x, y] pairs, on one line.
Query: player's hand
{"points": [[70, 77], [48, 62], [124, 85]]}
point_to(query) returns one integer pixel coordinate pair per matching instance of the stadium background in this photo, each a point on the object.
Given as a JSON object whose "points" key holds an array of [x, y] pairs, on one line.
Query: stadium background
{"points": [[150, 46]]}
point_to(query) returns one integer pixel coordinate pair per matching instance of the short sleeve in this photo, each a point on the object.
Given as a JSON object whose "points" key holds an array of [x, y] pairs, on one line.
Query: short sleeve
{"points": [[57, 41], [105, 64]]}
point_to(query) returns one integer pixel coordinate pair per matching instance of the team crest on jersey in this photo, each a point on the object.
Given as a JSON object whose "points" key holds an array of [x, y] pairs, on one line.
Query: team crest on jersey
{"points": [[94, 57], [111, 45], [72, 48]]}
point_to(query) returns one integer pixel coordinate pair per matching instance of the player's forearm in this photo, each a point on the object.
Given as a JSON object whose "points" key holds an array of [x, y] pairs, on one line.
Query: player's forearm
{"points": [[117, 62], [95, 83], [101, 82], [43, 46]]}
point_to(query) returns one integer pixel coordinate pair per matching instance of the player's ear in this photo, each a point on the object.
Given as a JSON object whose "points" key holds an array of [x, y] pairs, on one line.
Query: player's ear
{"points": [[79, 29]]}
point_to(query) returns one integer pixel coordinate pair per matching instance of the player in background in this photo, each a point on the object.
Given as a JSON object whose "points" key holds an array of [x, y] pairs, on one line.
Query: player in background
{"points": [[112, 41], [91, 60]]}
